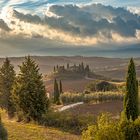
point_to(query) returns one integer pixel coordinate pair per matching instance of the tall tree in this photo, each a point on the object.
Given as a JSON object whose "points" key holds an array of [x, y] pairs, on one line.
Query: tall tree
{"points": [[54, 70], [29, 91], [3, 132], [82, 67], [7, 77], [56, 93], [68, 66], [57, 67], [131, 96], [87, 69], [60, 87]]}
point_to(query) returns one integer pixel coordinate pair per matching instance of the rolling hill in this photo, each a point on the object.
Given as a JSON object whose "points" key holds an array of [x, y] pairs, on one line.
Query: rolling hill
{"points": [[114, 68]]}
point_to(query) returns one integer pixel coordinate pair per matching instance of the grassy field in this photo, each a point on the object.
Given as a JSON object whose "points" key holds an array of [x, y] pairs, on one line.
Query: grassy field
{"points": [[22, 131], [113, 107]]}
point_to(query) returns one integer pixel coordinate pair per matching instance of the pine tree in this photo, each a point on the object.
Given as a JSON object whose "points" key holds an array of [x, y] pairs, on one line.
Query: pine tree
{"points": [[29, 91], [60, 87], [56, 93], [3, 132], [131, 97], [7, 77]]}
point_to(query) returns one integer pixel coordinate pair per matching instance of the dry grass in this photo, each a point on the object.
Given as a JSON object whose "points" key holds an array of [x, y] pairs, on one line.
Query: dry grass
{"points": [[22, 131], [68, 85], [113, 107]]}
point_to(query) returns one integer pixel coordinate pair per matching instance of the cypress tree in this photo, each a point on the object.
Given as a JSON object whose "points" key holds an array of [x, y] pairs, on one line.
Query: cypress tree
{"points": [[68, 66], [7, 77], [131, 96], [3, 132], [57, 67], [56, 93], [29, 91], [87, 69], [74, 66], [79, 68], [60, 87], [54, 70], [82, 67], [63, 68]]}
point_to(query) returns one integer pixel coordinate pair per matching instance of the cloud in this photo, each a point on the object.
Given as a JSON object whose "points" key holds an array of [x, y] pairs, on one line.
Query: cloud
{"points": [[92, 19], [78, 25], [27, 17], [4, 26], [134, 9], [51, 26]]}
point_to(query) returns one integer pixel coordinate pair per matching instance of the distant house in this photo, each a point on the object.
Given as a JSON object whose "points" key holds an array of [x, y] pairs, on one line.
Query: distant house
{"points": [[61, 69], [74, 68]]}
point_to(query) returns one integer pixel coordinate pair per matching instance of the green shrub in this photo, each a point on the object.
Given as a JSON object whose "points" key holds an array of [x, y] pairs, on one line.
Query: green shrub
{"points": [[67, 121], [103, 96], [68, 98], [107, 129], [131, 129], [104, 129], [3, 132]]}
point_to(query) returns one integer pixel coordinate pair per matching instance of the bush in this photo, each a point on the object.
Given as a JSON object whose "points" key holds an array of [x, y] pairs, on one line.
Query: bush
{"points": [[103, 97], [131, 129], [67, 121], [3, 132], [107, 129], [68, 98]]}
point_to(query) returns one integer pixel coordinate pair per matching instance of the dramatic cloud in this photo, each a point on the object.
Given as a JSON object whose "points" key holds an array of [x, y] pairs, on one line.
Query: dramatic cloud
{"points": [[79, 25], [4, 26], [133, 9], [69, 25]]}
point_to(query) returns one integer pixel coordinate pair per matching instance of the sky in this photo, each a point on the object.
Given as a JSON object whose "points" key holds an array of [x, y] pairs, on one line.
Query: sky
{"points": [[109, 28]]}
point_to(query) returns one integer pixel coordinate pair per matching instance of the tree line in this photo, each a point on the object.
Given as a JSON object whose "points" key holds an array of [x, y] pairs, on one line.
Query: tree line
{"points": [[81, 68]]}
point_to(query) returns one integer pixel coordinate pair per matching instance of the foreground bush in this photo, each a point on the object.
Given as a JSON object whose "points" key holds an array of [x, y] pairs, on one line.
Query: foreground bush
{"points": [[68, 97], [3, 132], [131, 129], [107, 129], [67, 121], [94, 97]]}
